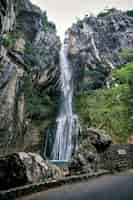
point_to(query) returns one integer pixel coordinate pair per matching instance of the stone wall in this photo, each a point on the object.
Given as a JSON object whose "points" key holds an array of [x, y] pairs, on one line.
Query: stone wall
{"points": [[117, 157]]}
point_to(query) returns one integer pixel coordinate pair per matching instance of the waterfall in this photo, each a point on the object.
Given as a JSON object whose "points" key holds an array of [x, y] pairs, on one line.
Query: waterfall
{"points": [[67, 127]]}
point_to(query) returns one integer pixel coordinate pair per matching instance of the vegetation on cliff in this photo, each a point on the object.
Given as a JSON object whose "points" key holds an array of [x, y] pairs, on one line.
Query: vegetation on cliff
{"points": [[111, 108], [29, 74], [101, 53]]}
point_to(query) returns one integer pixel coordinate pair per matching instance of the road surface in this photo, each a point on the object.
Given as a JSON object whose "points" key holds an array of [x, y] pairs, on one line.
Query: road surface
{"points": [[103, 188]]}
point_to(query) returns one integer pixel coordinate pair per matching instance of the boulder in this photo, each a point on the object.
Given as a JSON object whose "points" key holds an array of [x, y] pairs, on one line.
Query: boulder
{"points": [[54, 172], [87, 158], [36, 167], [99, 139], [22, 168], [81, 164], [12, 172]]}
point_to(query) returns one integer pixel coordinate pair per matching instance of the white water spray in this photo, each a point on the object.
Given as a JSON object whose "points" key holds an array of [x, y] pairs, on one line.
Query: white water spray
{"points": [[67, 132]]}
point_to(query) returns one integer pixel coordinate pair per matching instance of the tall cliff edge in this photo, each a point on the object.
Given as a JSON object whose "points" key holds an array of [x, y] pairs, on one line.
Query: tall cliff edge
{"points": [[29, 71]]}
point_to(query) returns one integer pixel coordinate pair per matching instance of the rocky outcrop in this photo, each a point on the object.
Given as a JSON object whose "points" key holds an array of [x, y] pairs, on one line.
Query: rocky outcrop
{"points": [[29, 64], [24, 168], [99, 139], [7, 16], [94, 46], [92, 144], [12, 172], [82, 163]]}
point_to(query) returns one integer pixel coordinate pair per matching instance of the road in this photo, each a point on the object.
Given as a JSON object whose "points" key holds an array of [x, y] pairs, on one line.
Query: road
{"points": [[103, 188]]}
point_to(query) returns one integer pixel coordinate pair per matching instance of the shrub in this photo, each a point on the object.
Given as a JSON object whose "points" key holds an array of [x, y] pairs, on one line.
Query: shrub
{"points": [[130, 13], [106, 12], [10, 38], [127, 53], [39, 104], [110, 109], [106, 109], [122, 75]]}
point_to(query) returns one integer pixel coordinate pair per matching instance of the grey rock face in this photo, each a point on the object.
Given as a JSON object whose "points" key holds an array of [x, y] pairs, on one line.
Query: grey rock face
{"points": [[95, 43], [82, 163], [86, 159], [11, 76], [23, 168], [7, 16], [99, 139], [36, 167], [22, 27]]}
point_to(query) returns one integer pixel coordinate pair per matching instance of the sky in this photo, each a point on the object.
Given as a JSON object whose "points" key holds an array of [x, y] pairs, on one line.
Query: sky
{"points": [[65, 12]]}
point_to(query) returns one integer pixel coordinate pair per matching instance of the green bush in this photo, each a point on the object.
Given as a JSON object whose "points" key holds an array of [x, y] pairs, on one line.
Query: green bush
{"points": [[35, 57], [39, 104], [10, 38], [110, 109], [122, 75], [47, 26], [130, 13], [106, 109], [127, 53], [1, 66], [106, 12]]}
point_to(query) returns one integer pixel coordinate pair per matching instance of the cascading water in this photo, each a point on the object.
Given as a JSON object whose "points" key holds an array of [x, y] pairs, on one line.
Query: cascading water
{"points": [[67, 127]]}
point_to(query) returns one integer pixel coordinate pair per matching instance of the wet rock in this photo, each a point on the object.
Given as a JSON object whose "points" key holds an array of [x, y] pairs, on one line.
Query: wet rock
{"points": [[99, 139], [87, 158], [82, 163], [54, 172]]}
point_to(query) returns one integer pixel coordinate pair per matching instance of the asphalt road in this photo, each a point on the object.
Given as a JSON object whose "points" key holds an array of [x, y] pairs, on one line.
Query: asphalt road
{"points": [[103, 188]]}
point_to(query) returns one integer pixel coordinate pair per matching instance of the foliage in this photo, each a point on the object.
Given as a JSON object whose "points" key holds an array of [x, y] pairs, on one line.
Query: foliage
{"points": [[45, 22], [110, 109], [122, 75], [94, 78], [8, 42], [127, 53], [10, 38], [34, 58], [106, 109], [1, 66], [106, 12], [39, 104], [130, 13], [130, 94], [47, 26], [30, 56]]}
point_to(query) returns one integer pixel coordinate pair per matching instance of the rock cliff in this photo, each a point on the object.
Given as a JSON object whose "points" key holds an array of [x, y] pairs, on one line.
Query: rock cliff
{"points": [[29, 70], [95, 44], [29, 73], [99, 48]]}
